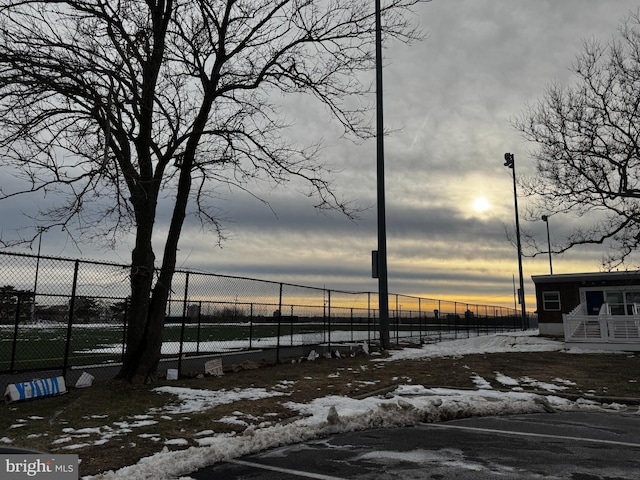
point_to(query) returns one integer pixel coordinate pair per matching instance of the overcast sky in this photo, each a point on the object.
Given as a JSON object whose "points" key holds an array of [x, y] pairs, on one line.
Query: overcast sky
{"points": [[448, 100]]}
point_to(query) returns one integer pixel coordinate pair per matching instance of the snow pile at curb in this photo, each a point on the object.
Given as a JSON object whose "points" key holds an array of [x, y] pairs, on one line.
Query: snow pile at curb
{"points": [[408, 405]]}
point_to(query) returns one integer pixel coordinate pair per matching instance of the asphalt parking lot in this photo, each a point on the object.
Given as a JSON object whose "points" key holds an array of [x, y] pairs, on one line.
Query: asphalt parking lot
{"points": [[576, 446]]}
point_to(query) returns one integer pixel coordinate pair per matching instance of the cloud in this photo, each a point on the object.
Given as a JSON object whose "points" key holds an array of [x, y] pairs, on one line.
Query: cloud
{"points": [[448, 104]]}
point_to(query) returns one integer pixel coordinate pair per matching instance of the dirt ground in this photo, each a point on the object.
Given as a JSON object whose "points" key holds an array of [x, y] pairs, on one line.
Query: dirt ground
{"points": [[610, 377]]}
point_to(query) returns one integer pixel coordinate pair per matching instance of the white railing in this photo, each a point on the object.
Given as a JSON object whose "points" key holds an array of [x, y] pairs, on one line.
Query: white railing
{"points": [[603, 328]]}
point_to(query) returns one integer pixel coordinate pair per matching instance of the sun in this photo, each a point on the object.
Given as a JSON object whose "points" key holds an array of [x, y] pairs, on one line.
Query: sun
{"points": [[481, 204]]}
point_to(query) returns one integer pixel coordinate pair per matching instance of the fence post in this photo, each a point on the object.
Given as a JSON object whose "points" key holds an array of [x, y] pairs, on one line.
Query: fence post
{"points": [[420, 319], [279, 322], [352, 324], [397, 323], [199, 325], [324, 314], [250, 325], [411, 325], [329, 318], [184, 317], [291, 326], [72, 307], [454, 319], [124, 327], [369, 319], [440, 323], [486, 316], [14, 346]]}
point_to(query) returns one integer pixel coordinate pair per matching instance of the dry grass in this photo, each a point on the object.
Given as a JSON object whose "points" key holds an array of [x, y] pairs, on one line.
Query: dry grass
{"points": [[54, 423]]}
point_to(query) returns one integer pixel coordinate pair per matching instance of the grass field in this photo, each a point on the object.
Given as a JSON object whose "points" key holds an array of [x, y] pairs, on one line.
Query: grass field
{"points": [[45, 346]]}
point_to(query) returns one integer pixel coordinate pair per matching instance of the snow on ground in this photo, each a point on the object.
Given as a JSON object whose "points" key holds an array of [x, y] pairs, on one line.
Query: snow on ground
{"points": [[407, 405], [193, 400], [502, 342]]}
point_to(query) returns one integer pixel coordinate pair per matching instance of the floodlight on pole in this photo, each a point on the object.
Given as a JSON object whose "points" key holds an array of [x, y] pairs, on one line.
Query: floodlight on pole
{"points": [[381, 256], [509, 162], [545, 219]]}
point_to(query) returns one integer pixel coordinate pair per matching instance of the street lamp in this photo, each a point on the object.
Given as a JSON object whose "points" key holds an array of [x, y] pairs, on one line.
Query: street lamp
{"points": [[509, 161], [381, 256], [545, 219]]}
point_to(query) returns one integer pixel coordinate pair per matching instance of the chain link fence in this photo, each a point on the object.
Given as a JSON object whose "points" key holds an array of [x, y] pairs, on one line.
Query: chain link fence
{"points": [[61, 314]]}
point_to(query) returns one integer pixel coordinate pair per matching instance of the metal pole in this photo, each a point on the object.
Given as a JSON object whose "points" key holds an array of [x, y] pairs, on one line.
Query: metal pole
{"points": [[510, 162], [184, 318], [329, 319], [420, 318], [383, 287], [250, 325], [72, 311], [545, 219], [368, 319], [279, 324], [35, 283], [16, 326]]}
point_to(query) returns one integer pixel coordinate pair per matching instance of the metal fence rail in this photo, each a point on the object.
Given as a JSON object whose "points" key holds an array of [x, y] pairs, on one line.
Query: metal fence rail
{"points": [[60, 314]]}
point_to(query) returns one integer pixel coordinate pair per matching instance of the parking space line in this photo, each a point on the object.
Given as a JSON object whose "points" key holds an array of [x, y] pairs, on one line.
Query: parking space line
{"points": [[317, 476], [543, 435]]}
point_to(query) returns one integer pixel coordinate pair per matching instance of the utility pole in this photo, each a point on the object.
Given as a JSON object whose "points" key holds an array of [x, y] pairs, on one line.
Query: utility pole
{"points": [[383, 285]]}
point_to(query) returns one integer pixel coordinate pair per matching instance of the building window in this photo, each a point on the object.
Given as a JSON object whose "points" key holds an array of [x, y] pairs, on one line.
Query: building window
{"points": [[615, 302], [622, 302], [633, 303], [551, 301]]}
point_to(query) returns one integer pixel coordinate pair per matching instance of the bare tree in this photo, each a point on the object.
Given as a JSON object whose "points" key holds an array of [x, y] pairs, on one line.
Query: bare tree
{"points": [[588, 146], [113, 105]]}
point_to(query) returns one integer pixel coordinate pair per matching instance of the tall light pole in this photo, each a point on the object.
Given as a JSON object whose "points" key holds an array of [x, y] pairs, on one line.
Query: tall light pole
{"points": [[509, 161], [383, 287], [545, 219]]}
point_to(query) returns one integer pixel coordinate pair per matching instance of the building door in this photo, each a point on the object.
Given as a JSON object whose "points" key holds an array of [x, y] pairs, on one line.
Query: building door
{"points": [[595, 299]]}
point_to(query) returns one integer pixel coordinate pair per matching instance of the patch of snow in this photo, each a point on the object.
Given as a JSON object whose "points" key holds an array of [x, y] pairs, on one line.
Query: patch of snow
{"points": [[176, 441], [424, 458], [564, 382], [506, 380], [480, 382], [232, 420], [61, 440], [197, 400], [407, 405], [497, 343], [549, 387]]}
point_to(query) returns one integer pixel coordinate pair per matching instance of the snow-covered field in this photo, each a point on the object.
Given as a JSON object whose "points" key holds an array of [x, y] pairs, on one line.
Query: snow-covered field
{"points": [[407, 405]]}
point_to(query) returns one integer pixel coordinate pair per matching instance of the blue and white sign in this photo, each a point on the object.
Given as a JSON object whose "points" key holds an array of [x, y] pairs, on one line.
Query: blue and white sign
{"points": [[41, 387]]}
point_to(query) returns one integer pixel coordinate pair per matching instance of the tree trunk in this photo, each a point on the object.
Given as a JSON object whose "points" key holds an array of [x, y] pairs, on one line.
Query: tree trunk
{"points": [[148, 305], [143, 338]]}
